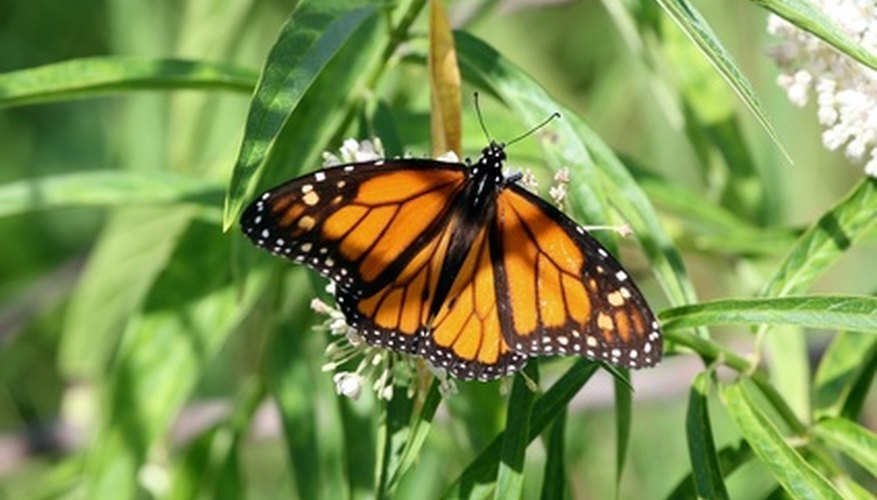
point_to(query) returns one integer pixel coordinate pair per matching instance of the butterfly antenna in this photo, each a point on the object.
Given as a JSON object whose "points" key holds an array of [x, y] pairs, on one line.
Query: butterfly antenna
{"points": [[481, 117], [534, 129]]}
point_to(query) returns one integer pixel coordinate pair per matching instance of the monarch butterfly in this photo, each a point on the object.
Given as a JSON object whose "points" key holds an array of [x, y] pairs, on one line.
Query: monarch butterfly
{"points": [[458, 264]]}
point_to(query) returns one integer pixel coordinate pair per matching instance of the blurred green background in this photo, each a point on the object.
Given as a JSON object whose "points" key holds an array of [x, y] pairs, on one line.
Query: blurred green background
{"points": [[573, 48]]}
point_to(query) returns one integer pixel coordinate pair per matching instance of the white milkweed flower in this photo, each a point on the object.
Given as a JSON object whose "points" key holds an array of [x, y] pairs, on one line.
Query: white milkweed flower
{"points": [[846, 91]]}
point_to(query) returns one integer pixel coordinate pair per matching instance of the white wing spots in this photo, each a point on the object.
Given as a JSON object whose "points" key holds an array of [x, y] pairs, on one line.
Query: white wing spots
{"points": [[320, 176], [600, 251], [621, 275], [581, 230], [265, 196], [257, 220], [311, 198], [266, 233], [306, 247], [591, 341], [340, 184], [307, 222], [615, 298], [601, 270], [307, 188], [280, 242], [379, 163], [624, 292], [349, 168]]}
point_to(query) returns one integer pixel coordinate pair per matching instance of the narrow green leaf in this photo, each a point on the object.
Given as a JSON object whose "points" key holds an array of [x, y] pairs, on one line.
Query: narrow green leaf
{"points": [[131, 251], [555, 477], [824, 243], [810, 257], [358, 429], [623, 421], [106, 188], [857, 442], [705, 464], [482, 470], [516, 437], [314, 34], [96, 76], [786, 465], [393, 433], [844, 363], [417, 434], [805, 15], [729, 459], [828, 312], [697, 29]]}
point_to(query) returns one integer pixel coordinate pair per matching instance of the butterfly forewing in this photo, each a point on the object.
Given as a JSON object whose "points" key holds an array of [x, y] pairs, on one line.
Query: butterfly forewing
{"points": [[560, 290], [357, 224]]}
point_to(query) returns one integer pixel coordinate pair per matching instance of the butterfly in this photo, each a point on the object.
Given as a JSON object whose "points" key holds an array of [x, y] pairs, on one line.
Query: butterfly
{"points": [[457, 263]]}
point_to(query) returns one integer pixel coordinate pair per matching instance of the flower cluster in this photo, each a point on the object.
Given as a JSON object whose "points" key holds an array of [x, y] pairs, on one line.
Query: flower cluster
{"points": [[846, 91]]}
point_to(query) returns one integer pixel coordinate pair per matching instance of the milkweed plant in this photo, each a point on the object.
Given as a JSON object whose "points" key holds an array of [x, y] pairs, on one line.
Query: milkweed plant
{"points": [[147, 350]]}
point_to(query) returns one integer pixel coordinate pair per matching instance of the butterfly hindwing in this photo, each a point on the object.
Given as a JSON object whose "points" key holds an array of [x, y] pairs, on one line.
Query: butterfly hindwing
{"points": [[561, 292], [464, 336], [357, 224]]}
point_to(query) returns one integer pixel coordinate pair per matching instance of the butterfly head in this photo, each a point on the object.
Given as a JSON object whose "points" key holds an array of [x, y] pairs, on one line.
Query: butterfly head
{"points": [[493, 155]]}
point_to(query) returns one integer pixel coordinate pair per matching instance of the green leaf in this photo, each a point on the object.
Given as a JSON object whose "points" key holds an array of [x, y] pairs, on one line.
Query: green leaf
{"points": [[805, 15], [555, 477], [705, 464], [697, 29], [480, 474], [843, 365], [189, 312], [828, 312], [107, 189], [623, 421], [516, 437], [730, 458], [824, 242], [314, 34], [97, 76], [786, 465], [857, 442], [417, 433], [131, 251], [810, 257], [289, 374]]}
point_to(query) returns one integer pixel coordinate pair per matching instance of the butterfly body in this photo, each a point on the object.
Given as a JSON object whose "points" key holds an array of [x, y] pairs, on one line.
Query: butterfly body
{"points": [[458, 264]]}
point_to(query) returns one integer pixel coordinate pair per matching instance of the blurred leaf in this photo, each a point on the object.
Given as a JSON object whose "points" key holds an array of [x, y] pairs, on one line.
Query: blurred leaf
{"points": [[697, 29], [555, 477], [289, 374], [844, 363], [133, 248], [516, 437], [796, 476], [623, 421], [106, 188], [482, 471], [444, 80], [828, 312], [705, 463], [730, 458], [393, 435], [805, 15], [313, 35], [857, 442], [97, 76], [190, 311], [418, 431], [358, 430]]}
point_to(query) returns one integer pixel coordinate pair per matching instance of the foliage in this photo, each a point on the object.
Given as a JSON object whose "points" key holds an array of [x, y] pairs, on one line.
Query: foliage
{"points": [[131, 303]]}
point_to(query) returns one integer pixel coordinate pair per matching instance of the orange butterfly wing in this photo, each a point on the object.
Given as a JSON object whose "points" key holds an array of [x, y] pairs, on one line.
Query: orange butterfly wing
{"points": [[358, 224], [561, 292]]}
